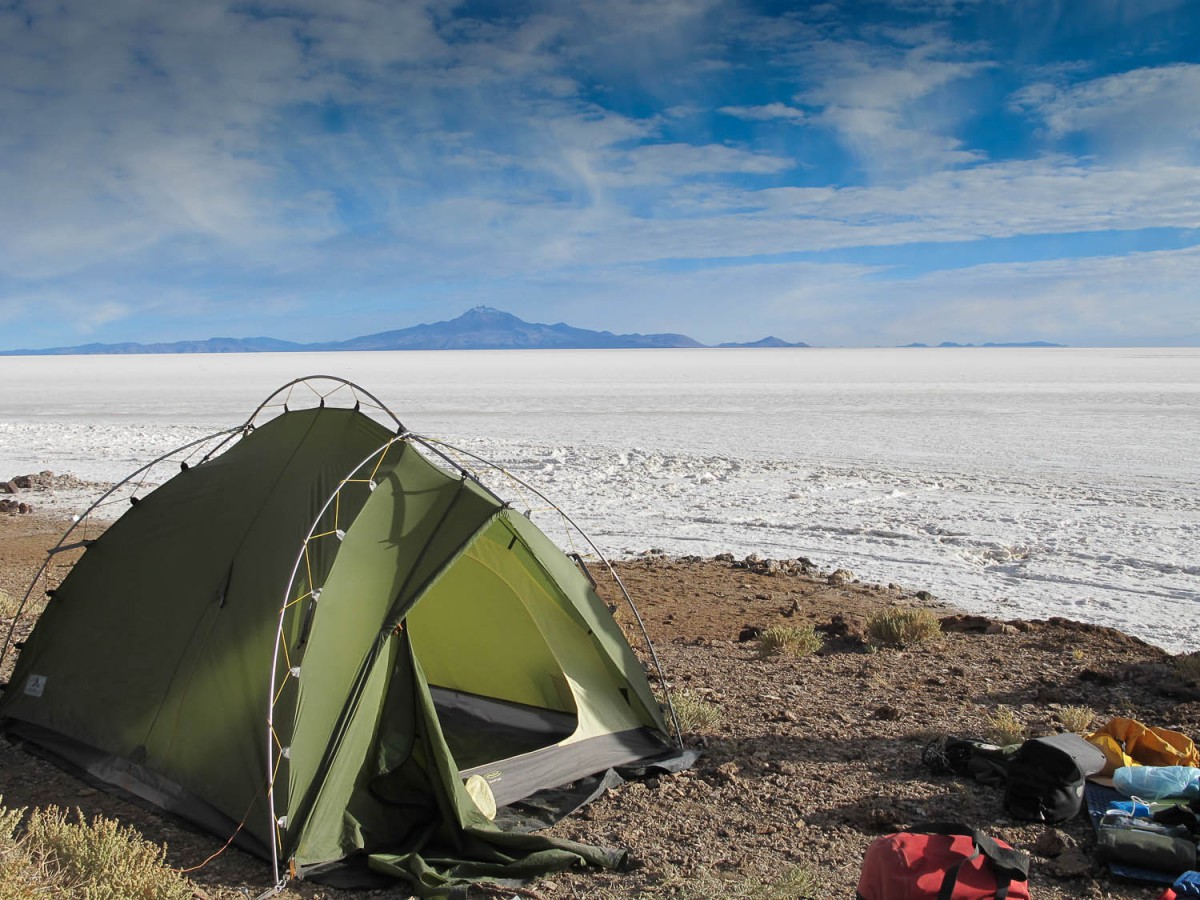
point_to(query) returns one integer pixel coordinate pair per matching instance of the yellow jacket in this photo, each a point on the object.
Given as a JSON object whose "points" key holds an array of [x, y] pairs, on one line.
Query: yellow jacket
{"points": [[1127, 742]]}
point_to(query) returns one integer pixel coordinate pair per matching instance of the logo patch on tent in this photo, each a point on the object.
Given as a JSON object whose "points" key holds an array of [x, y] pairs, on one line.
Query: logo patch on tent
{"points": [[35, 685]]}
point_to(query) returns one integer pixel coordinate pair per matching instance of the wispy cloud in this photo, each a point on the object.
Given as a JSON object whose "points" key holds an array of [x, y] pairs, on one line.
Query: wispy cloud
{"points": [[163, 166], [1144, 112], [765, 113]]}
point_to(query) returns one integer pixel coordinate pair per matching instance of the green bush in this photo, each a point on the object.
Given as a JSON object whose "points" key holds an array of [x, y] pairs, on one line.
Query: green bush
{"points": [[1004, 728], [903, 627], [784, 640], [694, 713], [65, 858], [1077, 719]]}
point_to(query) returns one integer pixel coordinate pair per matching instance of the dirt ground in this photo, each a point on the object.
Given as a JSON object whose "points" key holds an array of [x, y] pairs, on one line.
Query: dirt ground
{"points": [[809, 758]]}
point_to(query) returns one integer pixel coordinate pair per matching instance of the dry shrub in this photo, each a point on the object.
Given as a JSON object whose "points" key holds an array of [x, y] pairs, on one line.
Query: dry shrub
{"points": [[1004, 728], [695, 713], [8, 605], [903, 627], [98, 859], [794, 883], [789, 640], [1077, 719], [1188, 666], [21, 878]]}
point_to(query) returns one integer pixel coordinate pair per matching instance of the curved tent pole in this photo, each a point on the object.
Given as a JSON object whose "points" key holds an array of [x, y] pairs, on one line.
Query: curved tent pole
{"points": [[62, 545], [272, 763], [429, 443], [355, 390]]}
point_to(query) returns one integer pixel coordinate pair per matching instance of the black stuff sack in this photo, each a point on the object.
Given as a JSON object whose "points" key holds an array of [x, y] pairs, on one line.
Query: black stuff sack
{"points": [[1046, 777], [987, 763]]}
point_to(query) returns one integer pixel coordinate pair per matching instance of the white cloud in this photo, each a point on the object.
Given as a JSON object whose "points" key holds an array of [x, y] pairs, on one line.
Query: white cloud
{"points": [[1145, 112], [765, 113], [666, 164], [1085, 301], [201, 155], [882, 98]]}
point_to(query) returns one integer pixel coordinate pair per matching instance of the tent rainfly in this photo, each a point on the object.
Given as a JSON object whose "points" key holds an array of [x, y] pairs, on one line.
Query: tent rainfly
{"points": [[328, 637]]}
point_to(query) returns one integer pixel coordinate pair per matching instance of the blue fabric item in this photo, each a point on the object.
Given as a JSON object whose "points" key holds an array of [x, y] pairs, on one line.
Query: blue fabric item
{"points": [[1188, 884], [1155, 782]]}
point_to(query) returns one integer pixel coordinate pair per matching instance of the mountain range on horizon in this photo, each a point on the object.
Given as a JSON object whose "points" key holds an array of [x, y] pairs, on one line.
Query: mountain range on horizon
{"points": [[480, 328]]}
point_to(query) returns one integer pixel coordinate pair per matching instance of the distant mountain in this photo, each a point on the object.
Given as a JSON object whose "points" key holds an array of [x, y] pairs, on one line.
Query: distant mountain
{"points": [[1013, 344], [212, 345], [481, 328], [484, 328], [771, 341]]}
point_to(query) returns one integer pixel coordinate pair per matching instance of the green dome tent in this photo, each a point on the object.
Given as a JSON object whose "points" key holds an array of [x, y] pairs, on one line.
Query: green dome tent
{"points": [[317, 634]]}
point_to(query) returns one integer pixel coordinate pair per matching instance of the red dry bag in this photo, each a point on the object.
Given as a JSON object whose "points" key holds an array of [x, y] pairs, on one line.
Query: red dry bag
{"points": [[943, 862]]}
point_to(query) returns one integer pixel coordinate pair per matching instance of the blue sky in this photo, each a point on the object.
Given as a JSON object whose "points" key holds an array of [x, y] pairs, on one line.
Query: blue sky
{"points": [[850, 173]]}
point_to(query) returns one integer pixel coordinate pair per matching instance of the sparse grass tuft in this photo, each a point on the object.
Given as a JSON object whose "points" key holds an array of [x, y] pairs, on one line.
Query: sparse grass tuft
{"points": [[1004, 728], [1188, 666], [785, 640], [796, 883], [695, 713], [903, 627], [8, 605], [60, 856], [1077, 719]]}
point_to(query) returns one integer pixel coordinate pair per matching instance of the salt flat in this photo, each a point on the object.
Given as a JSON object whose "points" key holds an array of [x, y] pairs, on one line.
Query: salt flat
{"points": [[1014, 482]]}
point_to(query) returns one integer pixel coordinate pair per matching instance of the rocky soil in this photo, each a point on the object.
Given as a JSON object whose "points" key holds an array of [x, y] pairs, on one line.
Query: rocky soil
{"points": [[809, 758]]}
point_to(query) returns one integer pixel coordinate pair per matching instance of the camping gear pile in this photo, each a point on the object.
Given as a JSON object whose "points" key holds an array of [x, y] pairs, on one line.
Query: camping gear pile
{"points": [[1140, 786], [326, 636]]}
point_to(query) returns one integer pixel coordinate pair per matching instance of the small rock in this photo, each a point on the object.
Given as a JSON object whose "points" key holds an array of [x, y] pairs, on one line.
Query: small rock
{"points": [[749, 633], [1072, 864], [839, 577], [728, 772], [886, 713], [1053, 842], [965, 623], [852, 627], [1049, 693], [1000, 628]]}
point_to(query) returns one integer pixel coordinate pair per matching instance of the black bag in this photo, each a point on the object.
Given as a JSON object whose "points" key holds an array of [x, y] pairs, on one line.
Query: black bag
{"points": [[987, 763], [1046, 777]]}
